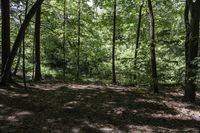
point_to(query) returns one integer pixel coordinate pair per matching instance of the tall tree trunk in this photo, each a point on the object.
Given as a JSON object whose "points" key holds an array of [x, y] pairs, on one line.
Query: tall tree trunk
{"points": [[64, 37], [33, 58], [23, 49], [38, 75], [192, 50], [138, 39], [17, 43], [187, 27], [154, 84], [5, 12], [79, 41], [114, 81]]}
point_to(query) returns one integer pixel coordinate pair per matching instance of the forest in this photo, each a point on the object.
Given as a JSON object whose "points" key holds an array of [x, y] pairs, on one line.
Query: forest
{"points": [[99, 66]]}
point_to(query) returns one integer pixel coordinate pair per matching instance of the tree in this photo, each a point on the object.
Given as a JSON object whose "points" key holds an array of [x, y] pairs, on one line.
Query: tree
{"points": [[18, 63], [138, 38], [79, 40], [38, 75], [18, 40], [191, 47], [5, 12], [154, 84], [114, 42], [64, 38], [23, 49]]}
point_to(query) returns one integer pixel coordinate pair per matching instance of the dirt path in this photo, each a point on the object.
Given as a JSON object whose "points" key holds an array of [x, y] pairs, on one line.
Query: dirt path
{"points": [[66, 108]]}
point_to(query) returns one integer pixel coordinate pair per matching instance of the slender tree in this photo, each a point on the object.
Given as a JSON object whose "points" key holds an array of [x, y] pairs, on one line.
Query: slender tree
{"points": [[114, 81], [18, 40], [191, 47], [5, 12], [64, 37], [23, 49], [154, 84], [79, 40], [138, 38]]}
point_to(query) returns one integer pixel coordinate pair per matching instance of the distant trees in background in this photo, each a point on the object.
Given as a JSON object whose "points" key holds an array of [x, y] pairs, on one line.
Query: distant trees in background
{"points": [[75, 42]]}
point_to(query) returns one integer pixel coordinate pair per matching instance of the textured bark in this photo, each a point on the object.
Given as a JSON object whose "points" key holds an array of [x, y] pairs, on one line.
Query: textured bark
{"points": [[38, 75], [154, 84], [18, 41], [5, 13], [192, 42], [114, 81]]}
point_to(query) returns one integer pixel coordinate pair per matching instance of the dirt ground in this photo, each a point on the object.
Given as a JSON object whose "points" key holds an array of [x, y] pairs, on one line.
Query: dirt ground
{"points": [[75, 108]]}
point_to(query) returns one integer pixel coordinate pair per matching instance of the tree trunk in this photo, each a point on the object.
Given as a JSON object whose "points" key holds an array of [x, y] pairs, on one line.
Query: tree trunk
{"points": [[187, 27], [64, 37], [138, 39], [114, 41], [23, 50], [5, 12], [154, 84], [18, 41], [38, 75], [18, 62], [192, 51], [79, 41]]}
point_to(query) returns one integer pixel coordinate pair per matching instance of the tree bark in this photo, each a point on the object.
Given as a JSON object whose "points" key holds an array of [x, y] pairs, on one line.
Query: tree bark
{"points": [[154, 84], [38, 75], [114, 81], [192, 50], [187, 27], [5, 12], [138, 39], [17, 43], [18, 63]]}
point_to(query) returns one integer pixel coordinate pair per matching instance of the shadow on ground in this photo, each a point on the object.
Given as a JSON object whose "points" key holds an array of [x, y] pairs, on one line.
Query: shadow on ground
{"points": [[63, 108]]}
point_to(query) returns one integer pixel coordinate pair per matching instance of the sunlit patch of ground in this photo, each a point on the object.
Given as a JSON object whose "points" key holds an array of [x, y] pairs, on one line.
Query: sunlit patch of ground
{"points": [[63, 108]]}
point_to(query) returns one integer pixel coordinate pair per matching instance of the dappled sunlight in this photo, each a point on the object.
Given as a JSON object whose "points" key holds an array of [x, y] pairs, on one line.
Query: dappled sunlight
{"points": [[119, 110], [97, 127], [70, 105], [152, 129], [94, 108], [184, 112], [12, 118], [22, 114], [48, 87], [12, 93], [89, 87]]}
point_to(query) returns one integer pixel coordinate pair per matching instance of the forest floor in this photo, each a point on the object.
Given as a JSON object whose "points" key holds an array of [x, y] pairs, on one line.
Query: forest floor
{"points": [[74, 108]]}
